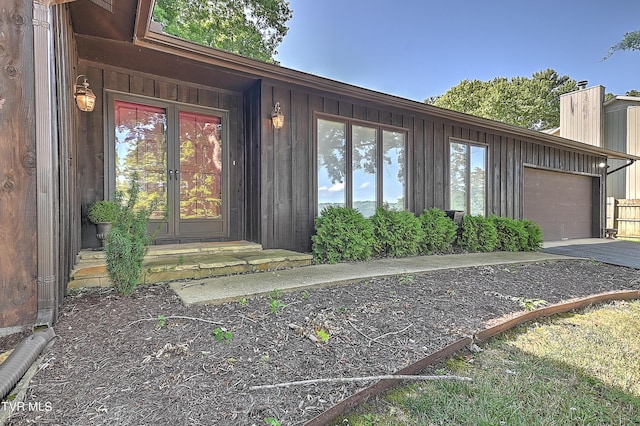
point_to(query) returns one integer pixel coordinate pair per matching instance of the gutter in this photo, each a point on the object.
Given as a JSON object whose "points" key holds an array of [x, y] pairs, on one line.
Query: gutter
{"points": [[624, 166]]}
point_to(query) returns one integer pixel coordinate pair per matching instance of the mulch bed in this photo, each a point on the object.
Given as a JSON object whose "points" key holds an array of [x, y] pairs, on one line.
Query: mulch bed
{"points": [[113, 363]]}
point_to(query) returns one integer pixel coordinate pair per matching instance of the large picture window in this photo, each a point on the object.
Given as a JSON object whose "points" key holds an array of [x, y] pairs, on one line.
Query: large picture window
{"points": [[468, 178], [360, 166]]}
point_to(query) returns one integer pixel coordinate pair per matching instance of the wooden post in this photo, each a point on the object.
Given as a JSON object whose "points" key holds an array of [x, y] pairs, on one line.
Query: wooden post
{"points": [[18, 211]]}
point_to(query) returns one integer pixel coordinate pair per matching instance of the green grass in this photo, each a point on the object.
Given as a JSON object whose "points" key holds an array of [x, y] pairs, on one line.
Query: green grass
{"points": [[573, 369]]}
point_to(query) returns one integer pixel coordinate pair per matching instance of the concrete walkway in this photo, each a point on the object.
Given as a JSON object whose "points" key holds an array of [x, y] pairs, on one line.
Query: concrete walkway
{"points": [[234, 288]]}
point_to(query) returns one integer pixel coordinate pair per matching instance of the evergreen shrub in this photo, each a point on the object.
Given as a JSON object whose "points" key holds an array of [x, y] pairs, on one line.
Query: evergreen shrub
{"points": [[512, 235], [342, 234], [103, 211], [439, 231], [128, 240], [478, 234], [534, 235], [397, 233]]}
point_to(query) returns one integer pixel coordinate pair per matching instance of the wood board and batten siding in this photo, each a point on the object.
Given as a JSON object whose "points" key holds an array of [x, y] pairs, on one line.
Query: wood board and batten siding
{"points": [[288, 161], [140, 87], [582, 116]]}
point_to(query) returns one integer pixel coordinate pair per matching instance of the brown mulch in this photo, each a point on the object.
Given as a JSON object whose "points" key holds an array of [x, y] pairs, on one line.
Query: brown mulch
{"points": [[113, 363]]}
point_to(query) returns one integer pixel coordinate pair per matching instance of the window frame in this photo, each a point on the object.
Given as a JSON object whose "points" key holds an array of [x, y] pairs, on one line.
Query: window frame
{"points": [[469, 145], [348, 158]]}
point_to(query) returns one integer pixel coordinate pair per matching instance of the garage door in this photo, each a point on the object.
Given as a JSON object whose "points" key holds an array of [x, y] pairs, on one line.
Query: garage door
{"points": [[560, 202]]}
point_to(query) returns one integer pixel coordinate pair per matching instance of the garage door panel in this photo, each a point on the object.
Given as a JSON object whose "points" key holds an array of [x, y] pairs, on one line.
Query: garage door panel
{"points": [[560, 202]]}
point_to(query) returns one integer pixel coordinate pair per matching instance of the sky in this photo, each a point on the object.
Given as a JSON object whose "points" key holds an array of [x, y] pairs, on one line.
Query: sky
{"points": [[421, 48]]}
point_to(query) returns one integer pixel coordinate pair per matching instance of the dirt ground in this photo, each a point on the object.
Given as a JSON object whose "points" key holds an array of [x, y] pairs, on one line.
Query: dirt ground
{"points": [[115, 362]]}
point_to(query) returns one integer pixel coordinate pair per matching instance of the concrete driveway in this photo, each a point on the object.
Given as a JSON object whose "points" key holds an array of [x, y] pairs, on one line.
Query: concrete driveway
{"points": [[614, 252]]}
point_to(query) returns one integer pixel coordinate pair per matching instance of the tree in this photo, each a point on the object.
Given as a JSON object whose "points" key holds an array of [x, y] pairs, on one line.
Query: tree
{"points": [[252, 28], [634, 93], [533, 102], [630, 41]]}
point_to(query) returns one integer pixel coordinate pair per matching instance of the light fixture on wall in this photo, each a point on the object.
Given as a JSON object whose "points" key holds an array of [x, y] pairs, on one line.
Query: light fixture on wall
{"points": [[277, 117], [602, 165], [85, 99]]}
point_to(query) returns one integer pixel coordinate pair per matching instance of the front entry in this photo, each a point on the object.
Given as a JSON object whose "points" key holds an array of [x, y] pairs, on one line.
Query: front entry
{"points": [[178, 153]]}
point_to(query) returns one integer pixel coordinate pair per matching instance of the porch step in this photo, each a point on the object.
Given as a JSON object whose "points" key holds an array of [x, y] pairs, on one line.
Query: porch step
{"points": [[189, 261]]}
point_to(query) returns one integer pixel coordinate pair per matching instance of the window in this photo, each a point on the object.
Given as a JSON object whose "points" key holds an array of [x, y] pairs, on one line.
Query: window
{"points": [[360, 166], [467, 177]]}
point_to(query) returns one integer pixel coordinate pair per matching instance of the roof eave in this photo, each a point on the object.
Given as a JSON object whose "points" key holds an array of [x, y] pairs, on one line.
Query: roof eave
{"points": [[145, 36]]}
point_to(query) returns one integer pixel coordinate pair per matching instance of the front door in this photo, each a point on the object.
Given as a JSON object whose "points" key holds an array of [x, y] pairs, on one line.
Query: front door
{"points": [[178, 155]]}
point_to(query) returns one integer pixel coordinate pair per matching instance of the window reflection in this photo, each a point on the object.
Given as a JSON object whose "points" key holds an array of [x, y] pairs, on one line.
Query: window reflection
{"points": [[141, 146], [331, 164]]}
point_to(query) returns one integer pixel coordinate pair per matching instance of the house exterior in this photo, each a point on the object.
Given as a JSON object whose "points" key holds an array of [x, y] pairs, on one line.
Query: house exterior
{"points": [[614, 124], [196, 123]]}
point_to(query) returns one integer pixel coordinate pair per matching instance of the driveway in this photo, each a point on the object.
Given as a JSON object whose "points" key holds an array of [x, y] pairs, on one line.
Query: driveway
{"points": [[614, 252]]}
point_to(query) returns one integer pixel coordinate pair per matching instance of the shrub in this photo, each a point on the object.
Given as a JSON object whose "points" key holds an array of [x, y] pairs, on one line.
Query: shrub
{"points": [[397, 233], [439, 231], [512, 235], [102, 211], [128, 240], [478, 234], [534, 235], [342, 234]]}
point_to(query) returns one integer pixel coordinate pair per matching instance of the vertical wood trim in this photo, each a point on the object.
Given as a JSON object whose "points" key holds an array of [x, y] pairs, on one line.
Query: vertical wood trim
{"points": [[69, 202]]}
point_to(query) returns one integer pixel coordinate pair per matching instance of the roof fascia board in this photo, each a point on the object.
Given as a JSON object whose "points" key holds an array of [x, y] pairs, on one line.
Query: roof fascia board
{"points": [[144, 36]]}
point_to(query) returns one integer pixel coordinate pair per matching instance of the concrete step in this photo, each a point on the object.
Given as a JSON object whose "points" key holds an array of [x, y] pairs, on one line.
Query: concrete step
{"points": [[189, 261]]}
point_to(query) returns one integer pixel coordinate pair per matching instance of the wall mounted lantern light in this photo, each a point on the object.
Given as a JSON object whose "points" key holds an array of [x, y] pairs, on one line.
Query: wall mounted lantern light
{"points": [[85, 99], [277, 117]]}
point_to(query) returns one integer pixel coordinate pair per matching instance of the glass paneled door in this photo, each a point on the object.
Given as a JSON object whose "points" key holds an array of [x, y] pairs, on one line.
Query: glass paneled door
{"points": [[178, 156]]}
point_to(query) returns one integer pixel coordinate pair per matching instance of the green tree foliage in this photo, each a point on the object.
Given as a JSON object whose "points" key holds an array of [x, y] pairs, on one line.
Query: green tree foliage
{"points": [[251, 28], [630, 41], [533, 102]]}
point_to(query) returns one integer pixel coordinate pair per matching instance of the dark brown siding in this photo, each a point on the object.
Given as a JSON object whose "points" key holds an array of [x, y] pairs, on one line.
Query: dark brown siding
{"points": [[92, 132], [288, 160], [18, 233], [69, 201]]}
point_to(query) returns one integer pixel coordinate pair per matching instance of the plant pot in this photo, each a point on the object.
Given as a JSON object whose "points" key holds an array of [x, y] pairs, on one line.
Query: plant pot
{"points": [[103, 230]]}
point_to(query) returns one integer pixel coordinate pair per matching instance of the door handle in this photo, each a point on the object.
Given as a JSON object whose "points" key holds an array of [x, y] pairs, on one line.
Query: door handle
{"points": [[170, 174], [175, 172]]}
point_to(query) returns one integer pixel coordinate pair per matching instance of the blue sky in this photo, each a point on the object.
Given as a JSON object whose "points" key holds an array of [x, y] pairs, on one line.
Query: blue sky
{"points": [[420, 48]]}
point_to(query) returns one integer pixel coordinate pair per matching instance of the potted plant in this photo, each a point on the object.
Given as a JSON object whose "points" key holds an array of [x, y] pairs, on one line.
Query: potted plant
{"points": [[103, 213]]}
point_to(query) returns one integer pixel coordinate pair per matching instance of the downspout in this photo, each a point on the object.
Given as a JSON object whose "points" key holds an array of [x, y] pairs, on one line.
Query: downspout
{"points": [[46, 160], [624, 166], [24, 355], [21, 359]]}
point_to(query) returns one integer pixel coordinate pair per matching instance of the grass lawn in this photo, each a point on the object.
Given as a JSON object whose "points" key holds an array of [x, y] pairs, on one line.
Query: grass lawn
{"points": [[573, 369]]}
